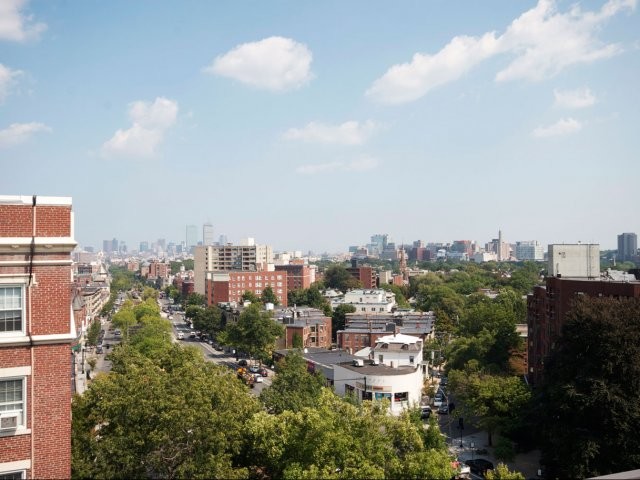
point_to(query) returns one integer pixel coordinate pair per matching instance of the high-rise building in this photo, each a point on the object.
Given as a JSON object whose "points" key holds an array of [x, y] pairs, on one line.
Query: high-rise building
{"points": [[529, 250], [37, 331], [222, 240], [144, 247], [207, 234], [106, 246], [227, 258], [191, 236], [627, 247]]}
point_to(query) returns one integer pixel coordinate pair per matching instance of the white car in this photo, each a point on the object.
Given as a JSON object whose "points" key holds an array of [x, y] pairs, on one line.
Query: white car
{"points": [[257, 378], [180, 335]]}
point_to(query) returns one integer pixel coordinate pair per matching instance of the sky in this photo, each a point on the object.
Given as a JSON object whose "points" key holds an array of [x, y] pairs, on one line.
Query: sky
{"points": [[314, 125]]}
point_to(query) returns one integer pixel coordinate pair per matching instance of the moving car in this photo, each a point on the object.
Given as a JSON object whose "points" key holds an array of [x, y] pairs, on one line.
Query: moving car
{"points": [[479, 466], [180, 335], [443, 409]]}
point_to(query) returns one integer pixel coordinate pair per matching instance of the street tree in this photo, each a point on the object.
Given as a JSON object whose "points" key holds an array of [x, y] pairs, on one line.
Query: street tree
{"points": [[249, 296], [176, 416], [196, 299], [498, 401], [208, 320], [589, 406], [93, 332], [336, 439], [255, 332], [293, 387], [502, 472], [124, 319], [147, 308], [149, 293]]}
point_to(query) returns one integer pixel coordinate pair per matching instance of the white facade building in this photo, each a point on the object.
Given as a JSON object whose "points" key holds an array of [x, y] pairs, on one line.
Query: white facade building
{"points": [[373, 301], [574, 260], [529, 250]]}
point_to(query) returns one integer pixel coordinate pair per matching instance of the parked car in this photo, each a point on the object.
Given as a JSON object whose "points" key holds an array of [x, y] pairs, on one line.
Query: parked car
{"points": [[425, 412], [257, 378], [438, 400], [479, 466], [242, 363], [180, 335], [117, 332], [264, 372], [99, 349], [443, 409], [254, 369]]}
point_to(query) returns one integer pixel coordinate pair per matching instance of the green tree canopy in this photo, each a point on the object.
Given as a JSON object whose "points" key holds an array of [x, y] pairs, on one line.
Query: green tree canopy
{"points": [[255, 332], [293, 387], [498, 401], [337, 276], [172, 417], [338, 318], [208, 320], [196, 299], [589, 405], [268, 296]]}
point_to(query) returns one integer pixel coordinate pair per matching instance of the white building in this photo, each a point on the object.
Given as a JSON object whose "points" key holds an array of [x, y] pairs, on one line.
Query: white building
{"points": [[574, 260], [529, 250], [392, 371], [367, 300], [482, 257]]}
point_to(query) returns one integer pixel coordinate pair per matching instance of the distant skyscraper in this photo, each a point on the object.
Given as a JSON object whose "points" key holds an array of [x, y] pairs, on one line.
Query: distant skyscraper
{"points": [[223, 240], [106, 246], [161, 245], [191, 237], [627, 246], [144, 246], [207, 234], [114, 245]]}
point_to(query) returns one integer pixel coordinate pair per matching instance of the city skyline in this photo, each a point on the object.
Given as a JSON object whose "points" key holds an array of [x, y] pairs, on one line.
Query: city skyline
{"points": [[313, 126]]}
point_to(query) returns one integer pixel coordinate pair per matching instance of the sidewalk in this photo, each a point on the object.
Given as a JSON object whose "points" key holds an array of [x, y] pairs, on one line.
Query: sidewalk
{"points": [[526, 463]]}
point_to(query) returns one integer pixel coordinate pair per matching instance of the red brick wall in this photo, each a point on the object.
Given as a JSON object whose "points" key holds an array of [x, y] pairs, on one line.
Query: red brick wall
{"points": [[52, 429], [51, 300], [51, 221], [14, 357]]}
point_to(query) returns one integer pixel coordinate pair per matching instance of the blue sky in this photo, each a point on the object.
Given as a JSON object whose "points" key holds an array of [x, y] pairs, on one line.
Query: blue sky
{"points": [[313, 125]]}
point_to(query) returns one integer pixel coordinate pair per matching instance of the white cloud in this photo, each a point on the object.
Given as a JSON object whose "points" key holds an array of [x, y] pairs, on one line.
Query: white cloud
{"points": [[16, 26], [20, 132], [564, 126], [347, 133], [150, 123], [359, 165], [7, 80], [580, 98], [409, 81], [275, 64], [543, 41]]}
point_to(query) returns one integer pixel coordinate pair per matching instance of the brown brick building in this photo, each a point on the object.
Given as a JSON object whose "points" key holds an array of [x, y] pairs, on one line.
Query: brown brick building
{"points": [[547, 308], [224, 287], [366, 275], [36, 332], [298, 276], [311, 324]]}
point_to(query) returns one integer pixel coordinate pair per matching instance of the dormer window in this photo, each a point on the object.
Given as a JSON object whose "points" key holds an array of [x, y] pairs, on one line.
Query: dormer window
{"points": [[384, 345]]}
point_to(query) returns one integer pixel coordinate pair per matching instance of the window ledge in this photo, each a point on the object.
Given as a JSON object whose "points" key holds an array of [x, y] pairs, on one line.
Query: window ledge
{"points": [[17, 431]]}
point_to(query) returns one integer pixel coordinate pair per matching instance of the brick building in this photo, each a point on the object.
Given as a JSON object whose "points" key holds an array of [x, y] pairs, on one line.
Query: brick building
{"points": [[547, 307], [313, 327], [298, 276], [36, 332], [366, 275], [224, 287]]}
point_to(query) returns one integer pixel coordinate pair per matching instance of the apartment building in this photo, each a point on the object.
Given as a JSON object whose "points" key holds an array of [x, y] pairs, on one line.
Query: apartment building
{"points": [[225, 287], [298, 275], [36, 332], [310, 324], [548, 305], [226, 258]]}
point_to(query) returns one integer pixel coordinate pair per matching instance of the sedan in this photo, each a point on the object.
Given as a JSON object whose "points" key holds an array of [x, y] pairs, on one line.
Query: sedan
{"points": [[264, 372], [254, 369], [479, 466]]}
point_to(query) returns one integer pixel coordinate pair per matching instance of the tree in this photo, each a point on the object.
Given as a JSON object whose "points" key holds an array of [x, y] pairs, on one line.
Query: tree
{"points": [[149, 293], [147, 308], [268, 296], [338, 318], [293, 387], [175, 416], [196, 299], [249, 296], [255, 332], [589, 409], [337, 276], [502, 472], [124, 319], [94, 332], [338, 440], [208, 320], [497, 401], [297, 340]]}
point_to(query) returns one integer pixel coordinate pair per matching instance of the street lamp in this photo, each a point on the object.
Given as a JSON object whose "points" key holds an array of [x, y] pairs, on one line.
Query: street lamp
{"points": [[473, 446], [83, 349]]}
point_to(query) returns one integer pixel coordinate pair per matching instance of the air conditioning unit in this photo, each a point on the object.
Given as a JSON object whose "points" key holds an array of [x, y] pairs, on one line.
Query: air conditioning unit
{"points": [[9, 421]]}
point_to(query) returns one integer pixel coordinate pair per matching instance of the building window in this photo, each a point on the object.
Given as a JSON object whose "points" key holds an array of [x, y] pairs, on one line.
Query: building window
{"points": [[12, 396], [11, 309], [411, 359], [19, 475]]}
